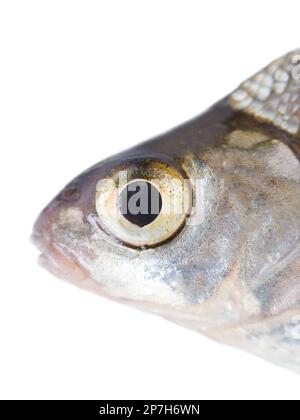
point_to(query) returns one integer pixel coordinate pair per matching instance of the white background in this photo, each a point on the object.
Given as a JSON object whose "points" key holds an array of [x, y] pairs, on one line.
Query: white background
{"points": [[80, 80]]}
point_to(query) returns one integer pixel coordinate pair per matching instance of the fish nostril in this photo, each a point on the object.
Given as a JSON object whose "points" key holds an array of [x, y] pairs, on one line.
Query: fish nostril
{"points": [[71, 194]]}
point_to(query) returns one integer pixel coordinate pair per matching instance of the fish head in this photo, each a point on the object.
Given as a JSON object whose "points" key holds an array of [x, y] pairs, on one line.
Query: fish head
{"points": [[130, 226], [193, 235], [200, 225]]}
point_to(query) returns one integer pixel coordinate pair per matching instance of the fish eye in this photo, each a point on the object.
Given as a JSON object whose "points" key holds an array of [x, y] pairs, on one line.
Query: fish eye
{"points": [[143, 205]]}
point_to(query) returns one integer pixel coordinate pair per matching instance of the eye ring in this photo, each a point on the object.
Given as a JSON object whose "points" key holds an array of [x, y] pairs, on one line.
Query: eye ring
{"points": [[136, 230]]}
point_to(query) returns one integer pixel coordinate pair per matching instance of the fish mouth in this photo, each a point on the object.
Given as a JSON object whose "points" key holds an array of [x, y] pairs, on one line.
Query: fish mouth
{"points": [[55, 257], [57, 261]]}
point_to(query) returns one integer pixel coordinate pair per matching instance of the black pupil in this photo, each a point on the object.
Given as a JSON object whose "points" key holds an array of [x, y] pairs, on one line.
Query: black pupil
{"points": [[140, 203]]}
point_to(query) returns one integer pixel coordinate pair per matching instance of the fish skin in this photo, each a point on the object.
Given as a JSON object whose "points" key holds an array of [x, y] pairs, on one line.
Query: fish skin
{"points": [[235, 277]]}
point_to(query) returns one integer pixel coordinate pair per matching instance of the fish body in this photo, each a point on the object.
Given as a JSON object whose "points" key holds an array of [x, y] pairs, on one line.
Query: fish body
{"points": [[220, 252]]}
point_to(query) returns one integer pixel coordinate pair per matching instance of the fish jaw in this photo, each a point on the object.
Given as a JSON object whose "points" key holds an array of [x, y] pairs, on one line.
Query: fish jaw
{"points": [[58, 259], [58, 262], [54, 256]]}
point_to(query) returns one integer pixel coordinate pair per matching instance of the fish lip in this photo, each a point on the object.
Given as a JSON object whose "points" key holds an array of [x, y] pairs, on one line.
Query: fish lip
{"points": [[57, 260]]}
